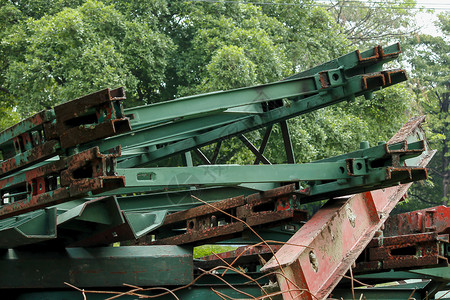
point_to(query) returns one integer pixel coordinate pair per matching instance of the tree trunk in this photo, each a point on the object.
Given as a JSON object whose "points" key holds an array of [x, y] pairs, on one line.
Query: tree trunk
{"points": [[445, 148]]}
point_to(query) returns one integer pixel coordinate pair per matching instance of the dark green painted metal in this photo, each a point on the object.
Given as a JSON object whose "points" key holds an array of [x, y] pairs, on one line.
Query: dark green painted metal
{"points": [[221, 101], [144, 222], [175, 131], [27, 125], [439, 273], [181, 200], [94, 267], [351, 88], [357, 62], [232, 174], [196, 292], [392, 293], [34, 227]]}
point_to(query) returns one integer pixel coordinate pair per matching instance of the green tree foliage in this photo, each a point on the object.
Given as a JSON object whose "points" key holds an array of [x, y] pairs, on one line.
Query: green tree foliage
{"points": [[79, 50], [164, 49], [374, 21], [430, 60], [240, 35]]}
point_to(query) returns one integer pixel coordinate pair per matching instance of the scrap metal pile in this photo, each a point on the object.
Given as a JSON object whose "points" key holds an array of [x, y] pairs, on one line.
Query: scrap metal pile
{"points": [[86, 174]]}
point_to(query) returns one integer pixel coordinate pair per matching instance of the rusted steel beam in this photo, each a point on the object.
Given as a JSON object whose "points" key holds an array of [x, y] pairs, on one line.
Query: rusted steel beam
{"points": [[207, 223], [337, 234], [435, 219], [51, 132], [95, 116], [404, 251], [38, 153], [83, 174]]}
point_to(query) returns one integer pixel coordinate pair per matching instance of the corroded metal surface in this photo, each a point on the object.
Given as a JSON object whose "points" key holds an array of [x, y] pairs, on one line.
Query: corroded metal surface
{"points": [[209, 223], [348, 225], [49, 133], [88, 172], [404, 252], [433, 219]]}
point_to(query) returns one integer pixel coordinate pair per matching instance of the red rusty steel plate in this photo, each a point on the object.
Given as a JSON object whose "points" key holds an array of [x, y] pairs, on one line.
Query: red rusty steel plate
{"points": [[202, 222], [37, 154], [336, 235], [435, 219], [405, 251], [80, 174], [80, 106], [83, 134], [75, 190]]}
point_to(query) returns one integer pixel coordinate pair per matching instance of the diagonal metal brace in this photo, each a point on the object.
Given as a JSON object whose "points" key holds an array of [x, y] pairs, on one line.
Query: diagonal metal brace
{"points": [[348, 225]]}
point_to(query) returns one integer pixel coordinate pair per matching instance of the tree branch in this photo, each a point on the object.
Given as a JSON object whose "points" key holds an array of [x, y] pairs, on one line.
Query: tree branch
{"points": [[423, 200]]}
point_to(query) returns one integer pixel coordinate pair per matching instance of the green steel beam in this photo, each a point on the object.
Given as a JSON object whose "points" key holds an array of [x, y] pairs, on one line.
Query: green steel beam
{"points": [[166, 133], [440, 273], [232, 174], [357, 62], [391, 293], [353, 87], [94, 267], [34, 227], [221, 101], [181, 200]]}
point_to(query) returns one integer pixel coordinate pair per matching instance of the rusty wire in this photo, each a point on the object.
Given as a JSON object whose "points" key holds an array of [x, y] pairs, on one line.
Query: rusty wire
{"points": [[266, 243], [137, 291], [410, 296], [251, 229], [242, 273], [357, 281], [221, 295], [443, 295], [228, 284], [352, 283]]}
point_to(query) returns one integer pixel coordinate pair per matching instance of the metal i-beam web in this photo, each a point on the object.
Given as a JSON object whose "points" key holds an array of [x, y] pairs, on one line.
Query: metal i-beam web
{"points": [[87, 174]]}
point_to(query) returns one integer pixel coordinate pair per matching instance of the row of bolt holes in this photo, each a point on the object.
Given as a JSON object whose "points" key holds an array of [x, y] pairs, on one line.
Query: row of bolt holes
{"points": [[358, 167]]}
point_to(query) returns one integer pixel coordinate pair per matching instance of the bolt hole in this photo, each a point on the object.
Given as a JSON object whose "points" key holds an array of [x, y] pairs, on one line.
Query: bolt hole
{"points": [[342, 170], [358, 166], [191, 224], [313, 261], [335, 77]]}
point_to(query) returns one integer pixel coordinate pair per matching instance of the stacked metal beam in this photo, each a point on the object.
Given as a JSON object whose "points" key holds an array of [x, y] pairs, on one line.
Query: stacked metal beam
{"points": [[96, 162]]}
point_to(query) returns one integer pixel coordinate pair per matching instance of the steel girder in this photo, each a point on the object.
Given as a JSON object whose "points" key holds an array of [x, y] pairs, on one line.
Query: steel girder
{"points": [[350, 225], [167, 129]]}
